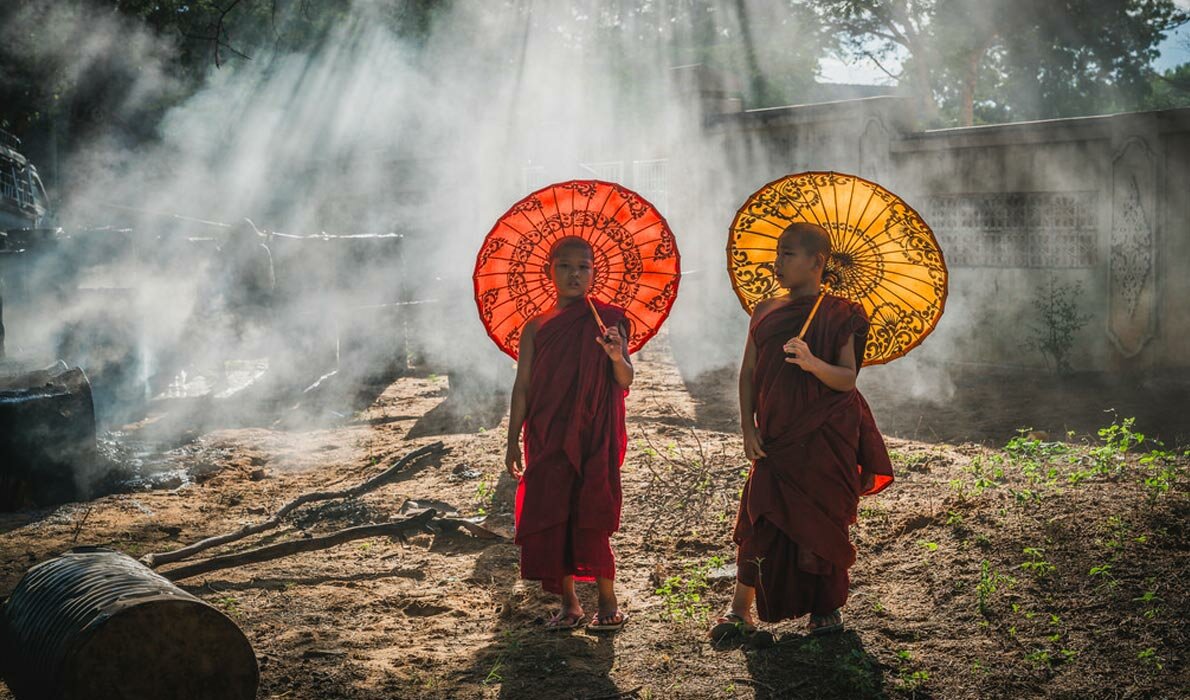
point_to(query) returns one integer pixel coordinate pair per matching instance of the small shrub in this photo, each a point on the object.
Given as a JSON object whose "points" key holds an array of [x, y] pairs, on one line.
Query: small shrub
{"points": [[685, 595], [1058, 322]]}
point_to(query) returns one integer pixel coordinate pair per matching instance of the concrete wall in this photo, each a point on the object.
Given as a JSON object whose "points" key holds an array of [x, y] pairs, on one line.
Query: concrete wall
{"points": [[1101, 202]]}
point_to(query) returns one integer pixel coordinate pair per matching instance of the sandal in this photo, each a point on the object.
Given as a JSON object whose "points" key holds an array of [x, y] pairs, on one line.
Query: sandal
{"points": [[608, 623], [826, 624], [731, 625], [565, 621]]}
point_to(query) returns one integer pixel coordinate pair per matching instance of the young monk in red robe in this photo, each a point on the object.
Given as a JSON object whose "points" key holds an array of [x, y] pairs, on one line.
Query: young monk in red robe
{"points": [[569, 395], [814, 446]]}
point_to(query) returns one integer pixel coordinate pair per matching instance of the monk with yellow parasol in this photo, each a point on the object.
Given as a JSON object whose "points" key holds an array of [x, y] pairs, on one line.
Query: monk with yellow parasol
{"points": [[836, 272]]}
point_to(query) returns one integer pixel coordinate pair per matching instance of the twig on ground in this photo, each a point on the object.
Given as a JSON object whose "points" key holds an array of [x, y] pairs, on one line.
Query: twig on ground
{"points": [[78, 526], [621, 694], [753, 681]]}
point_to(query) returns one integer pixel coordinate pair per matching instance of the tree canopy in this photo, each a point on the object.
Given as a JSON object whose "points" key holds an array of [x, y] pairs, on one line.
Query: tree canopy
{"points": [[972, 61], [70, 66]]}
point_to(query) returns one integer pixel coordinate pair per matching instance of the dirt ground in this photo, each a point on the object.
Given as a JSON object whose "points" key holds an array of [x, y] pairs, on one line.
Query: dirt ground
{"points": [[1047, 570]]}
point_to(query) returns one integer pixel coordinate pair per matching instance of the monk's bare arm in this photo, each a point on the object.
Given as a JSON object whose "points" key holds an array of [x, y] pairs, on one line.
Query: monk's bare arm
{"points": [[753, 448], [622, 365], [615, 344], [839, 376], [520, 401]]}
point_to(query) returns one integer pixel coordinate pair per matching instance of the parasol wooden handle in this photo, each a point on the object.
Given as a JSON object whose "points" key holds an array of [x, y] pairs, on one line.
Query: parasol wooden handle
{"points": [[806, 325], [598, 320]]}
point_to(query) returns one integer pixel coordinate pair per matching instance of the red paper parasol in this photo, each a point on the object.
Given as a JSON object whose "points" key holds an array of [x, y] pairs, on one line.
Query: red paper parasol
{"points": [[637, 265]]}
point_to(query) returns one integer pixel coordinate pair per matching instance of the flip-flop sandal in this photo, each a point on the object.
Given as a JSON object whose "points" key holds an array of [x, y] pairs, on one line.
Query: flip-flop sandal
{"points": [[730, 625], [826, 628], [598, 623], [562, 622]]}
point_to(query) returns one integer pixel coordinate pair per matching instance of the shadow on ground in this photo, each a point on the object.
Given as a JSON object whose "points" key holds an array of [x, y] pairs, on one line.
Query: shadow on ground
{"points": [[467, 409], [832, 666], [987, 406]]}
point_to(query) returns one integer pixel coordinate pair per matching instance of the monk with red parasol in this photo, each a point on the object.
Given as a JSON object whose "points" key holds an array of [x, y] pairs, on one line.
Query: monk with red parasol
{"points": [[570, 281]]}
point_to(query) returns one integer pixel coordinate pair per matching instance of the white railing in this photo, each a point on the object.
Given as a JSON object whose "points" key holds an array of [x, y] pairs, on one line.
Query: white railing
{"points": [[651, 179]]}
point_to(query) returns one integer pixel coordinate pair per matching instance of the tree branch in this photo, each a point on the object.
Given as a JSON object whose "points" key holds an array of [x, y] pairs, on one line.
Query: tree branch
{"points": [[219, 38], [284, 549], [157, 559], [889, 19], [859, 30], [884, 70]]}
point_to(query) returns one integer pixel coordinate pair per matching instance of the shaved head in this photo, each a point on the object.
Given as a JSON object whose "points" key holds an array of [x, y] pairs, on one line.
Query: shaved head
{"points": [[568, 243], [811, 238]]}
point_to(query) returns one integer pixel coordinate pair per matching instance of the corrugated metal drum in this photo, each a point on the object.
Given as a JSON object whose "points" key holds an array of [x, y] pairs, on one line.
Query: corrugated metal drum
{"points": [[94, 623]]}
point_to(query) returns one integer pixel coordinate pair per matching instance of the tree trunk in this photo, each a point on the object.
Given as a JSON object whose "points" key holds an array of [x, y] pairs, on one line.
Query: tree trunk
{"points": [[970, 79], [925, 91], [757, 82]]}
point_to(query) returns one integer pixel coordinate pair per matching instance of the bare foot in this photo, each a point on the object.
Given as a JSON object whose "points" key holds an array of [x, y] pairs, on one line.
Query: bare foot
{"points": [[567, 619], [745, 615], [825, 624], [608, 605], [732, 625], [608, 622]]}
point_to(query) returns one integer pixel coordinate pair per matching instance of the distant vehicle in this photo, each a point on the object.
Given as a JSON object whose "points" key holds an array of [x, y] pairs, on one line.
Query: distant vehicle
{"points": [[23, 201]]}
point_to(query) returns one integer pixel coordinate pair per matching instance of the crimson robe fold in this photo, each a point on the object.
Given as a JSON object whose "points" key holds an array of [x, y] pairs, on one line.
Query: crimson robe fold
{"points": [[568, 501], [821, 444]]}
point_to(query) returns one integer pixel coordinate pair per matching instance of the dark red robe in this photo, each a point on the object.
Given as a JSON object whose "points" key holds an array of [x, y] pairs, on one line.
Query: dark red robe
{"points": [[568, 502], [800, 500]]}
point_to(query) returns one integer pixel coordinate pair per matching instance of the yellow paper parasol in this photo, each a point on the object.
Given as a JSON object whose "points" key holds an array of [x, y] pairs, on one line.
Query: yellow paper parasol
{"points": [[883, 254]]}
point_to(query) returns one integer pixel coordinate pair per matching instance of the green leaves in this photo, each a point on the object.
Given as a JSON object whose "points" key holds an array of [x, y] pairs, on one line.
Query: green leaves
{"points": [[684, 595]]}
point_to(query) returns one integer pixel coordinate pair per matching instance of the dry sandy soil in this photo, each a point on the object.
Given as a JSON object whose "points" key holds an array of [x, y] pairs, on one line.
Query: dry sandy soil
{"points": [[981, 572]]}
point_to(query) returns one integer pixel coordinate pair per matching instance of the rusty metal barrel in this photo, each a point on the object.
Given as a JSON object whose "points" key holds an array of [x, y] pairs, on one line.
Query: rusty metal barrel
{"points": [[94, 623]]}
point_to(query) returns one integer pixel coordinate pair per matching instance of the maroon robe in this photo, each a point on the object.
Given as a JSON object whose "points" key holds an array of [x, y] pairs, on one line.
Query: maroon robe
{"points": [[799, 500], [568, 502]]}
